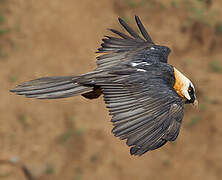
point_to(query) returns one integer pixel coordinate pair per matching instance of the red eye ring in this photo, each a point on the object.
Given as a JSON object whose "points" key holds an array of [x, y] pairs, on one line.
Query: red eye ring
{"points": [[189, 89]]}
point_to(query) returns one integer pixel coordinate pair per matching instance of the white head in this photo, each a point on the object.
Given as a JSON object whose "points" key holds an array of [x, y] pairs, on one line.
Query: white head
{"points": [[184, 88]]}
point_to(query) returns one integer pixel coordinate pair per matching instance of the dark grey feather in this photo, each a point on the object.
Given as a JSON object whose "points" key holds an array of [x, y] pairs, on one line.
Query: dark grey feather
{"points": [[143, 30], [130, 30], [124, 36]]}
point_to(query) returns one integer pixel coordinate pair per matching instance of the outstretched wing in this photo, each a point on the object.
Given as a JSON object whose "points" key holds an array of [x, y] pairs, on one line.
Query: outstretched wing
{"points": [[145, 108], [130, 47]]}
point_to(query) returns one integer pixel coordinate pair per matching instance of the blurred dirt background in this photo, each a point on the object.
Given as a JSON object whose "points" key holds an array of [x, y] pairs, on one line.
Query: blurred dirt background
{"points": [[71, 138]]}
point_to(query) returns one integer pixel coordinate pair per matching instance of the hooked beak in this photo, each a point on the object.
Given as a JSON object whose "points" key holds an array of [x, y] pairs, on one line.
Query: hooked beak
{"points": [[195, 103]]}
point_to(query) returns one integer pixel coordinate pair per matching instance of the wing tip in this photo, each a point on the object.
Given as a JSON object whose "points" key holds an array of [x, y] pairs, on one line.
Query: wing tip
{"points": [[143, 30], [136, 151], [120, 19]]}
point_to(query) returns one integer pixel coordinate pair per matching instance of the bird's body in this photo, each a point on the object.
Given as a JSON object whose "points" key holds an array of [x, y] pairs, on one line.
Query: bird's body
{"points": [[144, 94]]}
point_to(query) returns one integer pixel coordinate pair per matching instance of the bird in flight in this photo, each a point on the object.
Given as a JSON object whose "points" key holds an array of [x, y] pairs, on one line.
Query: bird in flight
{"points": [[144, 94]]}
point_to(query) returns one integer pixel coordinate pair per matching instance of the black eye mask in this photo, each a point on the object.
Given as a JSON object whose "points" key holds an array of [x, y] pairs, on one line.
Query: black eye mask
{"points": [[192, 95]]}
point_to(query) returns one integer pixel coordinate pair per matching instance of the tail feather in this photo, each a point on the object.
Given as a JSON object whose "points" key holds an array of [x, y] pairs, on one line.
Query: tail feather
{"points": [[51, 88]]}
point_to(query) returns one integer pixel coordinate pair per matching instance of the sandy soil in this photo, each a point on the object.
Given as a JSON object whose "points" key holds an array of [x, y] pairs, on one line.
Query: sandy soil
{"points": [[71, 138]]}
